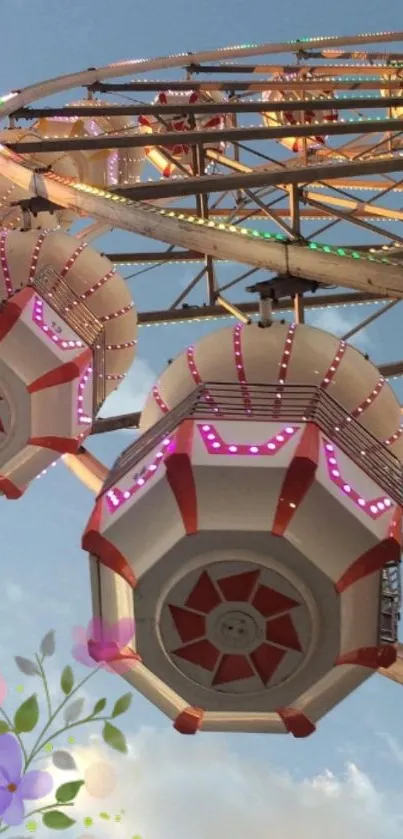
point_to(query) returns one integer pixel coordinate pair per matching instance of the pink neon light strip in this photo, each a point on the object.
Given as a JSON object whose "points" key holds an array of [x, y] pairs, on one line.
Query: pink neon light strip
{"points": [[374, 507], [198, 379], [71, 260], [38, 319], [115, 498], [85, 379], [331, 372], [159, 400], [35, 255], [98, 284], [215, 444], [4, 264], [240, 368], [370, 399]]}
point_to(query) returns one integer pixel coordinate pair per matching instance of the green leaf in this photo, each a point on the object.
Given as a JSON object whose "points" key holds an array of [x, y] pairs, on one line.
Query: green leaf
{"points": [[114, 738], [67, 792], [57, 820], [27, 715], [99, 706], [67, 680], [4, 727], [122, 705]]}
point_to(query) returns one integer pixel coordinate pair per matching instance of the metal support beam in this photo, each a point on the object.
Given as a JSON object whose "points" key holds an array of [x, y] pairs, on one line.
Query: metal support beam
{"points": [[153, 256], [200, 313], [233, 85], [237, 107], [276, 176], [370, 319], [226, 135], [389, 371]]}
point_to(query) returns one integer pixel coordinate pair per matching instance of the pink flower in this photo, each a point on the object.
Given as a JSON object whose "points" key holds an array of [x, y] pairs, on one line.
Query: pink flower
{"points": [[105, 644], [3, 690]]}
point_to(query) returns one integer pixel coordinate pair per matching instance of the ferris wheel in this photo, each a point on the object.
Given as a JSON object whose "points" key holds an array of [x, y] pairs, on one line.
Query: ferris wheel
{"points": [[257, 517]]}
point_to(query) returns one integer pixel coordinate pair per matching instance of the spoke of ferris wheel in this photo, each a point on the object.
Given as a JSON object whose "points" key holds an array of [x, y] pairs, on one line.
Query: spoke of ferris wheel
{"points": [[351, 201], [87, 468], [366, 225], [366, 322], [189, 288]]}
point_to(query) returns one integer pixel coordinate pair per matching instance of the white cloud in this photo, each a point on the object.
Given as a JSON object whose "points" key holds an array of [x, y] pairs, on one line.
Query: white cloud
{"points": [[132, 393], [171, 787], [14, 593], [338, 322]]}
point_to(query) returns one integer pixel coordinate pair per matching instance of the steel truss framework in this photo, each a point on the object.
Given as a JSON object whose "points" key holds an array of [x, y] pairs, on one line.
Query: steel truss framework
{"points": [[300, 223]]}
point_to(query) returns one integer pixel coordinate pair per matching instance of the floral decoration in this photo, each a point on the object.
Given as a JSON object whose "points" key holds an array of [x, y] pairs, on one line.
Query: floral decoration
{"points": [[100, 646]]}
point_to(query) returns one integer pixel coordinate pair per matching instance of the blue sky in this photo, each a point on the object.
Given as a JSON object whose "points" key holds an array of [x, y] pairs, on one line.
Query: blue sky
{"points": [[44, 573]]}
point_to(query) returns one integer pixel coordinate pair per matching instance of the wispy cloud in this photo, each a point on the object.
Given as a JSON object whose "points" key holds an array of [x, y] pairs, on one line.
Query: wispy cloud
{"points": [[175, 788], [132, 393], [338, 322]]}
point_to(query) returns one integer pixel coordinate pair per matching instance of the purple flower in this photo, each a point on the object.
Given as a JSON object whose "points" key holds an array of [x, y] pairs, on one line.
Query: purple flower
{"points": [[16, 787], [105, 644]]}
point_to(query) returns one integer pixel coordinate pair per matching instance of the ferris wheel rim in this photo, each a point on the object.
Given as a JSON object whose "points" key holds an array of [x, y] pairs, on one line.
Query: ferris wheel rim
{"points": [[9, 102]]}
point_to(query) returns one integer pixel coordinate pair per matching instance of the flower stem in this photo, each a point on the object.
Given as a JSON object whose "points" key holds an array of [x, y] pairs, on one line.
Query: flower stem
{"points": [[40, 810], [45, 684], [66, 728], [39, 744], [13, 731]]}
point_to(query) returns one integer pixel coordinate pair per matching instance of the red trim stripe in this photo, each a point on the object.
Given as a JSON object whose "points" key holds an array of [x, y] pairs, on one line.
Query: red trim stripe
{"points": [[239, 366], [372, 657], [61, 375], [298, 480], [118, 314], [159, 400], [99, 284], [394, 437], [96, 544], [4, 264], [283, 367], [63, 445], [126, 346], [376, 557], [296, 723], [10, 490], [194, 372], [359, 410], [72, 259], [189, 720], [334, 366], [35, 255], [12, 310], [179, 472]]}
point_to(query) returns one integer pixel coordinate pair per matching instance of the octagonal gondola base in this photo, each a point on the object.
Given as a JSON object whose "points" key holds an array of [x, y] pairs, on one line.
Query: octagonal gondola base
{"points": [[252, 570]]}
